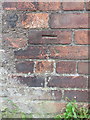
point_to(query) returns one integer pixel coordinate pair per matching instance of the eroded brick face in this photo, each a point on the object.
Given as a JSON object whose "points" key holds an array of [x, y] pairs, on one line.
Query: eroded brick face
{"points": [[35, 20], [44, 67], [47, 47], [64, 67]]}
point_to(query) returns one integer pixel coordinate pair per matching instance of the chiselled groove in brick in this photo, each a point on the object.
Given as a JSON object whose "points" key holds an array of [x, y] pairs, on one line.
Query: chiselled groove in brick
{"points": [[68, 82], [50, 44], [50, 37]]}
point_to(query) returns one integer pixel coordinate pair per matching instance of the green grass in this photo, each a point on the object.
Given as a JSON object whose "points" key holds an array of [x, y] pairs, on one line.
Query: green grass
{"points": [[73, 111]]}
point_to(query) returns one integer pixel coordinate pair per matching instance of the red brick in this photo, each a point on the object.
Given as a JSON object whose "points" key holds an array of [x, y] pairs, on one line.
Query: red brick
{"points": [[48, 6], [87, 5], [50, 37], [44, 67], [66, 67], [27, 6], [36, 81], [83, 67], [81, 37], [75, 20], [33, 52], [9, 5], [73, 5], [15, 42], [25, 67], [69, 52], [68, 82], [35, 20], [78, 95]]}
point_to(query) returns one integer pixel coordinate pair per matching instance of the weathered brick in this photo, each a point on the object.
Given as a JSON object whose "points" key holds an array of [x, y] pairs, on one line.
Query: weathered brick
{"points": [[87, 5], [33, 52], [35, 20], [83, 67], [50, 107], [44, 67], [69, 52], [27, 6], [81, 37], [73, 5], [36, 81], [57, 94], [12, 19], [46, 94], [15, 42], [66, 67], [25, 67], [68, 82], [48, 6], [78, 95], [9, 5], [49, 37], [75, 20], [35, 94]]}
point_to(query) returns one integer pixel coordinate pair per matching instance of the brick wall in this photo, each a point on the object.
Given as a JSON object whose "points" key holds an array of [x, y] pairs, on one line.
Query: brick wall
{"points": [[46, 46]]}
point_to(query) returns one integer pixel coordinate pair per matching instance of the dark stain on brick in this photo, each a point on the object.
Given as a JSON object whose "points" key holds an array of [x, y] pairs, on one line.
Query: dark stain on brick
{"points": [[35, 52], [12, 19], [32, 81], [25, 67], [39, 65], [24, 17], [35, 5]]}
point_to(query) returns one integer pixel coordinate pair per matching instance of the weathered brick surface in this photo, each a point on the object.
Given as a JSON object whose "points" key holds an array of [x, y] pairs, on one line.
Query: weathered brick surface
{"points": [[80, 96], [49, 6], [44, 67], [50, 37], [27, 6], [68, 82], [75, 20], [82, 37], [66, 67], [87, 5], [9, 5], [69, 52], [15, 42], [25, 67], [73, 5], [36, 52], [32, 6], [35, 20], [32, 81], [44, 55], [83, 67]]}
